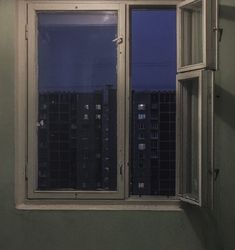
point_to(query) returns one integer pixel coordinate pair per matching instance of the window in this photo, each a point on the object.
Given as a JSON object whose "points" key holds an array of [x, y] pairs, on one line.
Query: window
{"points": [[197, 39], [197, 43], [141, 106], [194, 93], [141, 116], [112, 112]]}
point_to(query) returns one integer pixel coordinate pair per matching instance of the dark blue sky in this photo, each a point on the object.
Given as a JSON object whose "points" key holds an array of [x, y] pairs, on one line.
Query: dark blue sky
{"points": [[153, 49], [81, 56]]}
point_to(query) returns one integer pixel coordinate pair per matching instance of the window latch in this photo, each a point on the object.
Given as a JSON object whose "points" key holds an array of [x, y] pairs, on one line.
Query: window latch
{"points": [[220, 31], [118, 40], [40, 124], [121, 169]]}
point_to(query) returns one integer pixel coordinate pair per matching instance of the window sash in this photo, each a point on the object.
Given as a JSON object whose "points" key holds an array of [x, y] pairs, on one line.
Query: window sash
{"points": [[209, 36], [204, 140], [32, 169]]}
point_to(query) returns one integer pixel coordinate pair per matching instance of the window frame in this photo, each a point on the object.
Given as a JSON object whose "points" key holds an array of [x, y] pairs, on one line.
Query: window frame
{"points": [[205, 137], [33, 9], [205, 72], [209, 36], [73, 202]]}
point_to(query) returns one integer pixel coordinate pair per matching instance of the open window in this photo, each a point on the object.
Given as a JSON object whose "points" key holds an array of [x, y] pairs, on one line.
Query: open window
{"points": [[197, 34], [194, 137], [196, 60]]}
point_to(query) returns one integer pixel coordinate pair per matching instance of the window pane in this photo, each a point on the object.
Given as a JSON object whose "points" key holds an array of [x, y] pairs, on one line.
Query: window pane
{"points": [[153, 75], [190, 138], [192, 36], [77, 101]]}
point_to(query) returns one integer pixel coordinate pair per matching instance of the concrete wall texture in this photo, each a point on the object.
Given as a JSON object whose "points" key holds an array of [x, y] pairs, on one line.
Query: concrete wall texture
{"points": [[191, 229]]}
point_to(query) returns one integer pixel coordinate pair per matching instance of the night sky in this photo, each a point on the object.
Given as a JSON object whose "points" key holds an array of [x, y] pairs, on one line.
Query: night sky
{"points": [[81, 56], [153, 49]]}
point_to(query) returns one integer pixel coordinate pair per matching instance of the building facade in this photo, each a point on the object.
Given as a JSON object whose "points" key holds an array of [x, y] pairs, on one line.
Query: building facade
{"points": [[153, 143]]}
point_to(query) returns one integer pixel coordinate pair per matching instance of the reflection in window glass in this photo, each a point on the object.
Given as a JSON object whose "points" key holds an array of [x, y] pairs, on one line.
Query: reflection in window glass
{"points": [[190, 182], [77, 100], [153, 71]]}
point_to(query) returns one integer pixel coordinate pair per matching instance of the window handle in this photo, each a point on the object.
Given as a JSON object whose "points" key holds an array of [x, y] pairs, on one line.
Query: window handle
{"points": [[40, 123], [118, 40], [220, 31]]}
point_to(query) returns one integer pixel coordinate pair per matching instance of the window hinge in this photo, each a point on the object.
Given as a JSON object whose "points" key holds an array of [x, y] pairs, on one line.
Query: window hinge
{"points": [[26, 171], [214, 173], [220, 32], [26, 31]]}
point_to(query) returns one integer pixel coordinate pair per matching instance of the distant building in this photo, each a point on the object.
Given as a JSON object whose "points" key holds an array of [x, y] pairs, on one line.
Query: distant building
{"points": [[77, 140], [153, 143]]}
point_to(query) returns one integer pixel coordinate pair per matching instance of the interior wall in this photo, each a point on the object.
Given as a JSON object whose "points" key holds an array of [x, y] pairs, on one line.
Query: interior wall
{"points": [[225, 128], [191, 229]]}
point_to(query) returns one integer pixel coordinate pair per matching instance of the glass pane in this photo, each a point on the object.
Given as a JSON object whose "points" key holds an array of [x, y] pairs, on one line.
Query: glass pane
{"points": [[192, 35], [153, 73], [190, 138], [77, 107]]}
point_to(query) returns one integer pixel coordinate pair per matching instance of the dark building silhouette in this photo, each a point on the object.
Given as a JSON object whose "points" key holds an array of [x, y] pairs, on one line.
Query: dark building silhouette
{"points": [[77, 140], [153, 143]]}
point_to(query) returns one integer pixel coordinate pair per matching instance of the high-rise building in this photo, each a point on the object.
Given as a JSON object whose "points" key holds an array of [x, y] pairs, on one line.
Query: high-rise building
{"points": [[153, 143], [77, 140]]}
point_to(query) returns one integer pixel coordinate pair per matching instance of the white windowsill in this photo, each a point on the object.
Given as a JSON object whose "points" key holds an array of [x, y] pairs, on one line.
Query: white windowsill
{"points": [[131, 204]]}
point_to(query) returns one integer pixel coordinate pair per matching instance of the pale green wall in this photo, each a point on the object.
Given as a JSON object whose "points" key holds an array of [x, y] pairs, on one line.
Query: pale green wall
{"points": [[192, 229], [225, 128]]}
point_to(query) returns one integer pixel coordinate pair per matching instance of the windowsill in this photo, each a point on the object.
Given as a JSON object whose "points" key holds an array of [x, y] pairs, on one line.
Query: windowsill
{"points": [[104, 205]]}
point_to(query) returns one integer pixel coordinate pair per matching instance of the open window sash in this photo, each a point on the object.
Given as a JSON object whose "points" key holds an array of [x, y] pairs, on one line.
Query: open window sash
{"points": [[32, 171], [194, 156], [196, 35]]}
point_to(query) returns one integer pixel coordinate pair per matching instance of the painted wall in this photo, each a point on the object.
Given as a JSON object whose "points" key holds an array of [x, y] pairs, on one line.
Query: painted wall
{"points": [[225, 128], [192, 229]]}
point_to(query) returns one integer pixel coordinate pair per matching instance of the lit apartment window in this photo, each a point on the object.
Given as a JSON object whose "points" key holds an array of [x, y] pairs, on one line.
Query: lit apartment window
{"points": [[141, 146], [98, 106], [141, 106], [141, 116], [97, 116], [85, 117], [141, 184]]}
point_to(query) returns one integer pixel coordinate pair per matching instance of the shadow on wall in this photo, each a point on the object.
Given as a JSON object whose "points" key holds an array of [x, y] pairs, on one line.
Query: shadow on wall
{"points": [[204, 225], [224, 101], [227, 12], [224, 98]]}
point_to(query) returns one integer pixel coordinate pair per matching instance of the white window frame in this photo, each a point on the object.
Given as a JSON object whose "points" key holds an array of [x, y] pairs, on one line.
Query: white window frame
{"points": [[209, 35], [204, 72], [33, 9], [74, 200], [205, 137]]}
